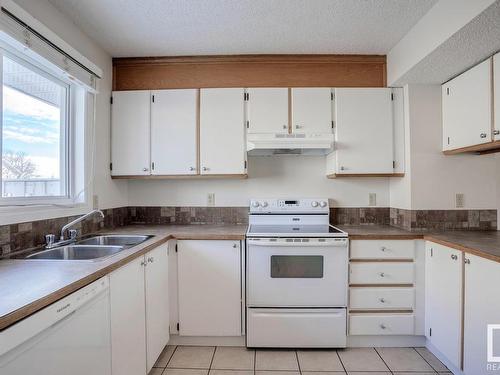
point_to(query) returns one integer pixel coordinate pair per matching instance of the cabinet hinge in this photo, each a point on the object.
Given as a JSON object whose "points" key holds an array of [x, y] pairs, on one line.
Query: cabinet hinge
{"points": [[246, 96], [430, 331], [332, 96], [447, 91], [448, 140], [432, 252], [111, 100], [245, 164], [333, 124], [392, 96], [393, 164], [153, 98], [176, 249], [248, 124], [110, 166], [178, 326], [153, 166]]}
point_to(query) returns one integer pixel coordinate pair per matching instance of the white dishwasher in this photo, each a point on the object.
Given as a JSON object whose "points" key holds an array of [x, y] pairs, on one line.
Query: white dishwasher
{"points": [[71, 336]]}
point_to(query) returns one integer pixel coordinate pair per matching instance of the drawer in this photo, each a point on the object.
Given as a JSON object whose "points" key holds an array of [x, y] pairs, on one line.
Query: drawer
{"points": [[382, 249], [381, 273], [297, 328], [381, 324], [381, 298]]}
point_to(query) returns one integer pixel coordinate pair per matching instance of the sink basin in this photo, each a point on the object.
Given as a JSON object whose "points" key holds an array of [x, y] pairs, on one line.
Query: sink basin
{"points": [[114, 240], [77, 252]]}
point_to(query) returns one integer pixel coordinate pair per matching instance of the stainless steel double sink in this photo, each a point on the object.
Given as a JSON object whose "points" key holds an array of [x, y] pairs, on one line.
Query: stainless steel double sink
{"points": [[91, 248]]}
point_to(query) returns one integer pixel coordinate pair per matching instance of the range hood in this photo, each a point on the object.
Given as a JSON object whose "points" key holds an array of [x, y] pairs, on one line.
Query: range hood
{"points": [[289, 144]]}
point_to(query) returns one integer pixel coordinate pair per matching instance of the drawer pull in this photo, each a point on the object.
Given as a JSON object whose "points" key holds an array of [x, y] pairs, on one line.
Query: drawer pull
{"points": [[382, 274], [383, 248], [383, 326], [382, 300], [454, 257]]}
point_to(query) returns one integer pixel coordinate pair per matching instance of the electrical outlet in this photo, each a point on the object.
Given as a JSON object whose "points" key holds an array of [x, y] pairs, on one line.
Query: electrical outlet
{"points": [[459, 200], [211, 199], [372, 199], [95, 202]]}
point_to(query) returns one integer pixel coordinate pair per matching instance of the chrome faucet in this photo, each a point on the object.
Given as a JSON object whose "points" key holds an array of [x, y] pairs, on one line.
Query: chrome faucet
{"points": [[78, 220]]}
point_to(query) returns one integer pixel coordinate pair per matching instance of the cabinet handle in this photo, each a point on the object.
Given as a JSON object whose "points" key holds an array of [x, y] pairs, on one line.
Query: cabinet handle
{"points": [[144, 169], [285, 127], [235, 246], [205, 169], [496, 132], [467, 261], [298, 126], [382, 274], [192, 168], [143, 263], [151, 260], [383, 248], [382, 300], [342, 168], [454, 257], [383, 326], [483, 135]]}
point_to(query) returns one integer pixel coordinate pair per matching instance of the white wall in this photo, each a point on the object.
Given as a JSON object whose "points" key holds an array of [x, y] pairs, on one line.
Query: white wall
{"points": [[277, 176], [110, 193], [434, 177]]}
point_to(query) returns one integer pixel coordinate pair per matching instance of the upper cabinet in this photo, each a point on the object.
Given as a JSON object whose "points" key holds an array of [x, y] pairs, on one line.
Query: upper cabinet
{"points": [[312, 110], [364, 132], [467, 111], [174, 121], [267, 110], [222, 132], [130, 148], [496, 90]]}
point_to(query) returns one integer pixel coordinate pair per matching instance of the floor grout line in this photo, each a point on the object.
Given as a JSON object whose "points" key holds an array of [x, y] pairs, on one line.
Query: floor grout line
{"points": [[432, 367], [212, 360], [341, 362], [298, 362], [385, 363]]}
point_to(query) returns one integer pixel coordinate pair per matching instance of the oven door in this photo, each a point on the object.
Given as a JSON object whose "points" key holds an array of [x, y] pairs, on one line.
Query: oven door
{"points": [[297, 272]]}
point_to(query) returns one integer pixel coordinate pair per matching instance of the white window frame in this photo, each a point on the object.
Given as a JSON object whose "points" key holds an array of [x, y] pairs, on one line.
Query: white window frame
{"points": [[69, 170]]}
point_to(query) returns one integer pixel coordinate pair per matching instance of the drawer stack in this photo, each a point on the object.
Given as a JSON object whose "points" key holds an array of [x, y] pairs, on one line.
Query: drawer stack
{"points": [[381, 287]]}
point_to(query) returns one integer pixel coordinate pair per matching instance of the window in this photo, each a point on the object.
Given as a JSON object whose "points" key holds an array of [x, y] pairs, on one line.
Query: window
{"points": [[35, 133]]}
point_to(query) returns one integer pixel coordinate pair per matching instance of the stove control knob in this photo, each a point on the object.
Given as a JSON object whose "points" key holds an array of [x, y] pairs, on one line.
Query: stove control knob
{"points": [[314, 204], [322, 204], [255, 204], [264, 204]]}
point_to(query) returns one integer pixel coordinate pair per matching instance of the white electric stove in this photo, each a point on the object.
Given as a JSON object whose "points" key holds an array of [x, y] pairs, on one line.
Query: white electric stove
{"points": [[296, 280]]}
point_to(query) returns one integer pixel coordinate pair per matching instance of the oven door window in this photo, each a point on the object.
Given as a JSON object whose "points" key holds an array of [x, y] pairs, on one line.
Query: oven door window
{"points": [[297, 266]]}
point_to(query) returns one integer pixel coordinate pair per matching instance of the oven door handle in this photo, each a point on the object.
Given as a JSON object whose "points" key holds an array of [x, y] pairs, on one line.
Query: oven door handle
{"points": [[341, 243]]}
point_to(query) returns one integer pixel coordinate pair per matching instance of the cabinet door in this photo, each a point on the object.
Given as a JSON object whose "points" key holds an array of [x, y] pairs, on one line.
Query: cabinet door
{"points": [[157, 304], [267, 110], [443, 300], [467, 108], [482, 307], [209, 288], [364, 131], [174, 132], [130, 119], [496, 91], [222, 132], [128, 323], [312, 110]]}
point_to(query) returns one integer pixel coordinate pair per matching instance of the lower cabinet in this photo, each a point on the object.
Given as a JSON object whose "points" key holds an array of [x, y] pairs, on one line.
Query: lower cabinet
{"points": [[482, 307], [443, 301], [209, 287], [139, 313]]}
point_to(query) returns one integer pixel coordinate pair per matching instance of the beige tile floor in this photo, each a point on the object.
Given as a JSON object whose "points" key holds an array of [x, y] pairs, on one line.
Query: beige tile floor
{"points": [[210, 360]]}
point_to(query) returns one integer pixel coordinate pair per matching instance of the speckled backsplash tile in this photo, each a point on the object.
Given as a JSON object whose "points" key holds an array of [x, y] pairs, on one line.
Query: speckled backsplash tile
{"points": [[426, 220]]}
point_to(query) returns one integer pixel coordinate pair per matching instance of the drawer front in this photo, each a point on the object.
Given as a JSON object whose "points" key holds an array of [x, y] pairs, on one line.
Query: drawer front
{"points": [[382, 249], [297, 328], [382, 298], [381, 273], [381, 324]]}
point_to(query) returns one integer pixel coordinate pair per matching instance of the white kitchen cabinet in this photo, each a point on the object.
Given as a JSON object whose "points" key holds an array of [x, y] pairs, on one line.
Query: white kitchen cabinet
{"points": [[267, 110], [130, 147], [222, 131], [443, 301], [128, 319], [312, 110], [496, 91], [174, 147], [466, 103], [209, 288], [139, 307], [482, 307], [364, 132], [157, 303]]}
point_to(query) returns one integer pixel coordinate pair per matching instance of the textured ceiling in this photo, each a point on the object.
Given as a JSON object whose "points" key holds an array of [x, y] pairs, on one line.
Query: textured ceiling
{"points": [[206, 27], [473, 43]]}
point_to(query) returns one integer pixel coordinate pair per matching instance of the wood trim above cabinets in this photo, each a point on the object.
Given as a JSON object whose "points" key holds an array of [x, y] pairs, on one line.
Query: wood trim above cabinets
{"points": [[182, 177], [341, 175], [171, 72]]}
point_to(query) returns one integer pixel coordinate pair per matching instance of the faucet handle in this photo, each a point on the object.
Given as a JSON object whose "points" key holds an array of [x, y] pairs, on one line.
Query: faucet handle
{"points": [[73, 233], [50, 239]]}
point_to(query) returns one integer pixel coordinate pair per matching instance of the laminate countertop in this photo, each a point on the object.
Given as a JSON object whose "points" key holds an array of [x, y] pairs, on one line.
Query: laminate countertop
{"points": [[30, 285], [485, 244]]}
